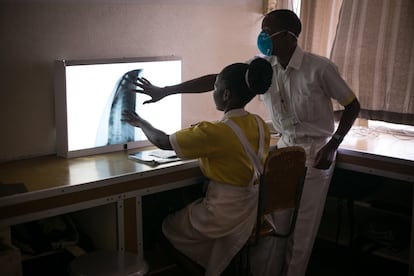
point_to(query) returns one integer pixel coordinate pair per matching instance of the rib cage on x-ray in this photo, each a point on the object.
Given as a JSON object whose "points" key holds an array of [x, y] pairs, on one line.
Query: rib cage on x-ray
{"points": [[121, 99]]}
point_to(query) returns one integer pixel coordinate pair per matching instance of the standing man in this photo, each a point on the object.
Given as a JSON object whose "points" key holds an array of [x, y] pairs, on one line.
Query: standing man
{"points": [[299, 102]]}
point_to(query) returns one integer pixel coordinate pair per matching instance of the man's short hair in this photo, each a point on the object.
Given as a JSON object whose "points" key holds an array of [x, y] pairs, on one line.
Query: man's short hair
{"points": [[286, 20]]}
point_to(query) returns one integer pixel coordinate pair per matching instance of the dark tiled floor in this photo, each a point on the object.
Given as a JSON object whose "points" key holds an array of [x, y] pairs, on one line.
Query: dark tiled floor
{"points": [[329, 259]]}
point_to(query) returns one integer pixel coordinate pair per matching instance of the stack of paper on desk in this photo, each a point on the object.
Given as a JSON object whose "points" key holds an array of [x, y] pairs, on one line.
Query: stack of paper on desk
{"points": [[154, 157]]}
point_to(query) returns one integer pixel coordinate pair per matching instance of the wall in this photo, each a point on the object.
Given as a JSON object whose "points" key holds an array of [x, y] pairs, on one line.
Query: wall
{"points": [[207, 35]]}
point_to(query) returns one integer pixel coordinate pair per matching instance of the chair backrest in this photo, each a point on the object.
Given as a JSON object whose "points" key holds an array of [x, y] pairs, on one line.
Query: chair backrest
{"points": [[282, 179], [281, 188]]}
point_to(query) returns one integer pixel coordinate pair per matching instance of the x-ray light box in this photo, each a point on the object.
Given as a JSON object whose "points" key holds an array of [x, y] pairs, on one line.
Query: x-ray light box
{"points": [[90, 96]]}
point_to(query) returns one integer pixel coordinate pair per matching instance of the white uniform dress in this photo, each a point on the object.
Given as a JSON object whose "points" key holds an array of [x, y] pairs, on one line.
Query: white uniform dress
{"points": [[212, 230], [299, 102]]}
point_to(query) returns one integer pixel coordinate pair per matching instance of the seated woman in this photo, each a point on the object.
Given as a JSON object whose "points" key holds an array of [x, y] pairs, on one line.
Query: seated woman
{"points": [[211, 230]]}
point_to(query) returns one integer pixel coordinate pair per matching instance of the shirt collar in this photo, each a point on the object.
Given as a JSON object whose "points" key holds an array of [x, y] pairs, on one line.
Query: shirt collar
{"points": [[235, 113], [294, 62], [296, 59]]}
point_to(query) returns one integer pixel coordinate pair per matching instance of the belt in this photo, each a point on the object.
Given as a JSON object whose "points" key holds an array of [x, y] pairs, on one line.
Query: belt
{"points": [[303, 139]]}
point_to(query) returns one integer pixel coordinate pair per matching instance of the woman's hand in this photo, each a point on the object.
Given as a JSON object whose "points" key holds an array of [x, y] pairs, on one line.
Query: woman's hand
{"points": [[131, 118], [154, 135], [156, 93]]}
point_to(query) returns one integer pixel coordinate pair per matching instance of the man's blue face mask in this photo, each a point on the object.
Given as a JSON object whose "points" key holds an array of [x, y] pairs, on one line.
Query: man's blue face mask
{"points": [[265, 44]]}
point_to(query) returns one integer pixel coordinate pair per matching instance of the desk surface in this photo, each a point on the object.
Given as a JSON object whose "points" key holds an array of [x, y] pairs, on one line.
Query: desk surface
{"points": [[50, 175], [378, 152], [380, 142]]}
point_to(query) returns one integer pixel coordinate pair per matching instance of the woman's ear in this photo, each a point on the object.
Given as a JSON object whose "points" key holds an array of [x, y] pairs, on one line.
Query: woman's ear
{"points": [[226, 94]]}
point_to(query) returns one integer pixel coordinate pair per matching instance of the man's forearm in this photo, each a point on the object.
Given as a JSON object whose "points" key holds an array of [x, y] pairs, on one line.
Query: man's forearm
{"points": [[198, 85], [348, 118]]}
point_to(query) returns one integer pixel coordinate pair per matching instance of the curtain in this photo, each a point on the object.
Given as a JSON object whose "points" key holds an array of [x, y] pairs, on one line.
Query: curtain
{"points": [[270, 5], [374, 51], [319, 20]]}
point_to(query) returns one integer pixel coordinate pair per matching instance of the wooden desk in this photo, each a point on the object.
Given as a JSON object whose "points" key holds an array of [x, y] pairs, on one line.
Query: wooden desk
{"points": [[58, 186], [383, 154]]}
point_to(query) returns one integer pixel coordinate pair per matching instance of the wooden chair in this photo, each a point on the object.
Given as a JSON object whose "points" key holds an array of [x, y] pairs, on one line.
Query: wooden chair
{"points": [[280, 189]]}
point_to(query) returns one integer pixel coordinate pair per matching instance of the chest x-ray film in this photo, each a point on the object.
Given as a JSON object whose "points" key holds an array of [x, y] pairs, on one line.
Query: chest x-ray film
{"points": [[91, 96]]}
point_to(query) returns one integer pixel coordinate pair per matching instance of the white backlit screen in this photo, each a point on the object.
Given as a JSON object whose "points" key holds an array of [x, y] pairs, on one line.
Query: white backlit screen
{"points": [[96, 95]]}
